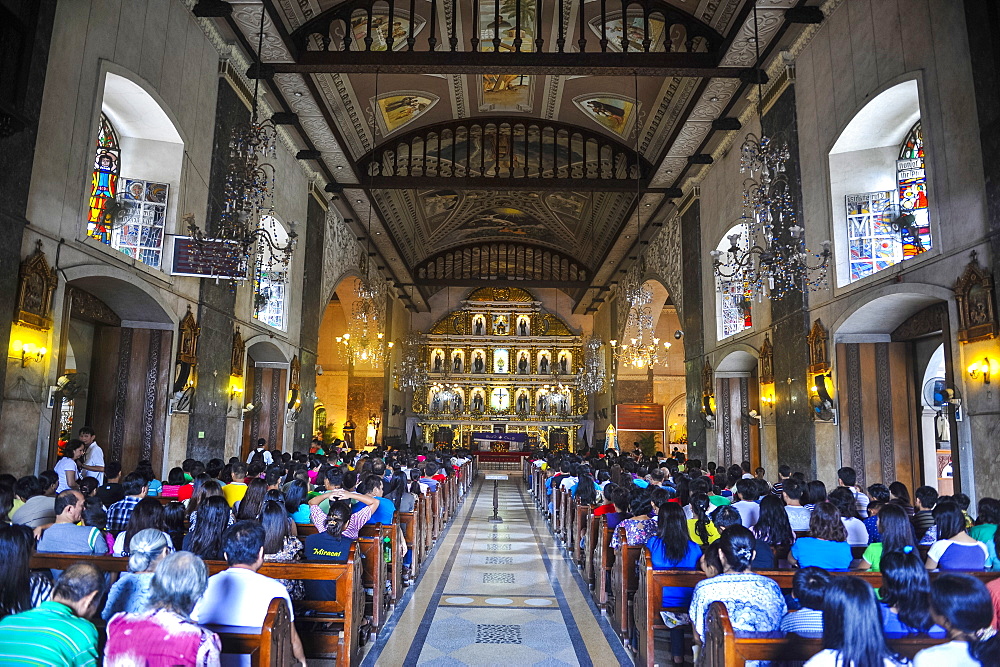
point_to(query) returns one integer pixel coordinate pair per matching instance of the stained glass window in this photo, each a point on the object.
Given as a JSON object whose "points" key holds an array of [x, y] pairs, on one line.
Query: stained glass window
{"points": [[873, 244], [911, 180], [735, 312], [104, 181], [884, 228], [270, 277], [139, 233]]}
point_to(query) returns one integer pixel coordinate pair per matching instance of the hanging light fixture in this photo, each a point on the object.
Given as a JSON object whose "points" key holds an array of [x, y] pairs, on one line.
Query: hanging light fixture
{"points": [[364, 342], [411, 372], [768, 255], [590, 378], [643, 349], [246, 227]]}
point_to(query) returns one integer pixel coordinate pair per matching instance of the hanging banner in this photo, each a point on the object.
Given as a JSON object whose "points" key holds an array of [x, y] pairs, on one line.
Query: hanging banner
{"points": [[639, 417]]}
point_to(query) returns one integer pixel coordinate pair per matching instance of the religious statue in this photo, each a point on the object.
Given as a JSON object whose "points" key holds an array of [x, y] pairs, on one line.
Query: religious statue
{"points": [[543, 403], [479, 326], [522, 327], [438, 361], [522, 403], [477, 402], [500, 328], [435, 404], [522, 364], [543, 365], [456, 365], [458, 404], [563, 364], [477, 364]]}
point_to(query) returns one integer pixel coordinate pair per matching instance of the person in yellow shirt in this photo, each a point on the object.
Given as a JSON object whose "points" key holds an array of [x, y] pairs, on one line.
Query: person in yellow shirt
{"points": [[700, 527], [237, 488]]}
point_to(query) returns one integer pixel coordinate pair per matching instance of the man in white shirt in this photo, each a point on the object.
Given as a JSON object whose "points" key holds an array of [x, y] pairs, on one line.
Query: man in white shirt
{"points": [[93, 458], [798, 516], [239, 596], [262, 448], [746, 491], [849, 477]]}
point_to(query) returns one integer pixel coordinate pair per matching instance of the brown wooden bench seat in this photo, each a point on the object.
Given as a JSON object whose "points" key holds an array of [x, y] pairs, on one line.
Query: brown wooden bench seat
{"points": [[723, 648], [648, 600], [328, 629]]}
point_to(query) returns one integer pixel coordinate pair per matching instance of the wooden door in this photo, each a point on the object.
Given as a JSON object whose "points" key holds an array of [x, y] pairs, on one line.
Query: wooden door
{"points": [[127, 403], [739, 439], [878, 433], [268, 388]]}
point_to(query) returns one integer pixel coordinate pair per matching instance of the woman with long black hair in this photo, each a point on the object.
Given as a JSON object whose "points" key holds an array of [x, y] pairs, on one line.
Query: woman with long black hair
{"points": [[205, 538], [985, 530], [20, 588], [585, 491], [296, 494], [954, 549], [962, 605], [896, 531], [773, 532], [852, 628], [248, 509], [671, 549], [905, 594], [148, 513], [701, 530]]}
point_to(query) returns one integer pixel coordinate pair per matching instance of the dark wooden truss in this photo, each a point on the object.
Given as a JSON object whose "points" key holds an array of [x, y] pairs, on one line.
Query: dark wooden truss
{"points": [[327, 42], [505, 153], [495, 261]]}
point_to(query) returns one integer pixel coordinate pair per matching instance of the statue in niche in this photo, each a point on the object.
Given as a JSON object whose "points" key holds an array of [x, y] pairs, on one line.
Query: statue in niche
{"points": [[478, 366], [456, 365], [543, 404], [563, 363], [477, 402], [458, 404], [478, 326], [438, 362], [522, 403], [435, 404], [522, 364], [522, 327], [543, 365], [500, 328]]}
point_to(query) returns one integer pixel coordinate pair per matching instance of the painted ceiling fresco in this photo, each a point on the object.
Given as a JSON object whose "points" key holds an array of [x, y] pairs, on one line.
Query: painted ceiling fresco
{"points": [[665, 118]]}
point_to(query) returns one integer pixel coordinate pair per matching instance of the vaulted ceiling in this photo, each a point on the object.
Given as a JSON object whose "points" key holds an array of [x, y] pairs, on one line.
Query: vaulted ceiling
{"points": [[448, 135]]}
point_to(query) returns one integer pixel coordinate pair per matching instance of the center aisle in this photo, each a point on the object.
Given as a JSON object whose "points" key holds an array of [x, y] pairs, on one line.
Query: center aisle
{"points": [[498, 594]]}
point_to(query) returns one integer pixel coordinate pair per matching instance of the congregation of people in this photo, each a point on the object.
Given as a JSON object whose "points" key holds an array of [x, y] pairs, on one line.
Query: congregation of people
{"points": [[732, 522], [243, 512]]}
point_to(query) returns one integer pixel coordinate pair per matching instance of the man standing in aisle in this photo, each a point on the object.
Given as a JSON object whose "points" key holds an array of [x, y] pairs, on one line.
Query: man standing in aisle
{"points": [[93, 458], [263, 451]]}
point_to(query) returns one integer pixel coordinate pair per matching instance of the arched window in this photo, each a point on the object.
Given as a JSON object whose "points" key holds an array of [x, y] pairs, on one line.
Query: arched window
{"points": [[104, 180], [270, 276], [734, 312], [879, 186]]}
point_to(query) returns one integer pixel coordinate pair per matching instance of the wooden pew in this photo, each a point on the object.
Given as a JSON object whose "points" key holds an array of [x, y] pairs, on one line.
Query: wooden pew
{"points": [[346, 612], [604, 558], [591, 535], [375, 570], [568, 516], [272, 645], [413, 534], [648, 601], [723, 648], [624, 580], [427, 520], [581, 515]]}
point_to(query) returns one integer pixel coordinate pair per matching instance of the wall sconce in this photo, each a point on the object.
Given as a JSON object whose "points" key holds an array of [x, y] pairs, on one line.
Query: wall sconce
{"points": [[235, 388], [26, 352], [767, 395], [983, 369], [821, 398]]}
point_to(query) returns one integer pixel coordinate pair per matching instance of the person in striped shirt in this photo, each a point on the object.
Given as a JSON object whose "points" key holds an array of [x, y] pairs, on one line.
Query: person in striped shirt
{"points": [[57, 632]]}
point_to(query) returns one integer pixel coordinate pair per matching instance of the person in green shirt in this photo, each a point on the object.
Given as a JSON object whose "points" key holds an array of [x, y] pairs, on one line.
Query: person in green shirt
{"points": [[985, 530], [57, 632], [897, 532]]}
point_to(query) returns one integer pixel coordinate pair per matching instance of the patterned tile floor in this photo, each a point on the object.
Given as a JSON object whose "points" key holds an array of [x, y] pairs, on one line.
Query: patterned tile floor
{"points": [[497, 594]]}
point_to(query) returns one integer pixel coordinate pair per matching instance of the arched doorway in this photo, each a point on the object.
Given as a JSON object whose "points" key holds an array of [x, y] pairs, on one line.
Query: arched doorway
{"points": [[267, 387], [736, 395], [114, 367], [887, 350]]}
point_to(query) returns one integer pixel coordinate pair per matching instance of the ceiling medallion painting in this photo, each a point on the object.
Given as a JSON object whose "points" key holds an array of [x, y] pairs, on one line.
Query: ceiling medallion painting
{"points": [[635, 29], [610, 111], [402, 107]]}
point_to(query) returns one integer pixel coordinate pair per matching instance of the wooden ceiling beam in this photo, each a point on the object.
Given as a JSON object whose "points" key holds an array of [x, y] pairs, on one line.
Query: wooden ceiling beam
{"points": [[564, 64], [520, 184]]}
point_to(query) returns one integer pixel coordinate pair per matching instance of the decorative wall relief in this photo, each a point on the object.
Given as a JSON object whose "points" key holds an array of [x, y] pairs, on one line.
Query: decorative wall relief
{"points": [[819, 355], [36, 286], [766, 361], [239, 354], [977, 318], [187, 348]]}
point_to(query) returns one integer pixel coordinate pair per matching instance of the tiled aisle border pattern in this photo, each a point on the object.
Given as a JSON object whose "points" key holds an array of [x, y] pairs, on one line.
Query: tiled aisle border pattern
{"points": [[420, 637]]}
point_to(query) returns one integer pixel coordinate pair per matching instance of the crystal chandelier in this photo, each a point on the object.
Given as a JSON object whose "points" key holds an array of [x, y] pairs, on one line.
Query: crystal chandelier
{"points": [[446, 398], [643, 349], [769, 255], [245, 227], [410, 372], [590, 378]]}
